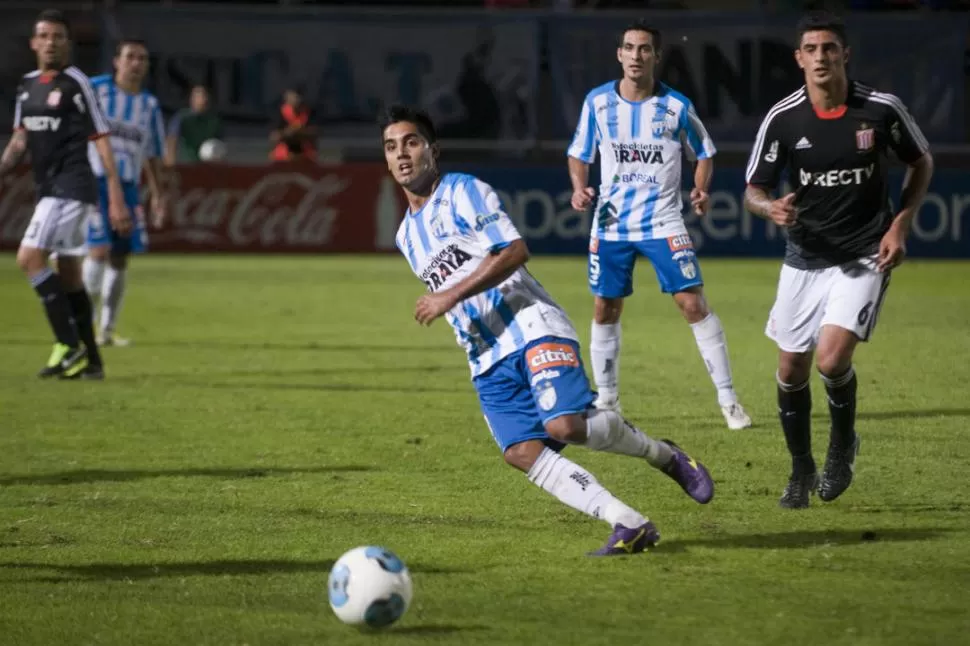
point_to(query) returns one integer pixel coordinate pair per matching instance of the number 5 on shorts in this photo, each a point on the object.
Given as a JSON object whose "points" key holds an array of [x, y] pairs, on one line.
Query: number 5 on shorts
{"points": [[594, 268]]}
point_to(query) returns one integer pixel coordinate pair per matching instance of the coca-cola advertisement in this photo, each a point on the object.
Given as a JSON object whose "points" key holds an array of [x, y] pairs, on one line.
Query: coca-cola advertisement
{"points": [[281, 208]]}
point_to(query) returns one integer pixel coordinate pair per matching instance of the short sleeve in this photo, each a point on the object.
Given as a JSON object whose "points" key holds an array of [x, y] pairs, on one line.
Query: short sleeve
{"points": [[481, 216]]}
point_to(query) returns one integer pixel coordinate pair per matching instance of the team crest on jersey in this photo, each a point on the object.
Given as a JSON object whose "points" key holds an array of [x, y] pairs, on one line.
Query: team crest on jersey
{"points": [[54, 98], [438, 227], [689, 270], [680, 242], [546, 396], [865, 137]]}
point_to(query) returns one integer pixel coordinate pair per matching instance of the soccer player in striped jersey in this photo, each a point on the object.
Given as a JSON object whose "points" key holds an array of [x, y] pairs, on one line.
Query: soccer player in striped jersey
{"points": [[834, 136], [137, 139], [55, 117], [521, 346], [641, 128]]}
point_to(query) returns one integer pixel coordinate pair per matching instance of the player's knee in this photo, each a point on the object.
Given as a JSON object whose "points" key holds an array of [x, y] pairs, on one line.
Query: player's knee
{"points": [[794, 368], [693, 307], [570, 429], [98, 254], [523, 455], [606, 311], [31, 260], [833, 362], [119, 261]]}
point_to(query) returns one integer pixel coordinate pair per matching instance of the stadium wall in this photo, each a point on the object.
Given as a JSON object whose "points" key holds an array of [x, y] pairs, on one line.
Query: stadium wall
{"points": [[356, 208]]}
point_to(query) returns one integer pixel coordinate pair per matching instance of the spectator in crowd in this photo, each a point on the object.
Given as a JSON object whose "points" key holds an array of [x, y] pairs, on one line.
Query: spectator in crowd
{"points": [[191, 127], [294, 132]]}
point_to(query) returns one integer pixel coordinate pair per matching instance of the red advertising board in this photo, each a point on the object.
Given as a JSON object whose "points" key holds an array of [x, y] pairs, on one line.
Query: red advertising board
{"points": [[280, 208]]}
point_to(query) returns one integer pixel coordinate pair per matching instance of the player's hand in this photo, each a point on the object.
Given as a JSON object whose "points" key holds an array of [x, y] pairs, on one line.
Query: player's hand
{"points": [[431, 306], [583, 198], [782, 211], [159, 206], [892, 249], [699, 199], [120, 216]]}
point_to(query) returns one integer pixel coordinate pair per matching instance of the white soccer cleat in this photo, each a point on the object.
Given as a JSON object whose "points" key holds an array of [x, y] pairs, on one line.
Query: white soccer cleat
{"points": [[607, 401], [109, 338], [735, 417]]}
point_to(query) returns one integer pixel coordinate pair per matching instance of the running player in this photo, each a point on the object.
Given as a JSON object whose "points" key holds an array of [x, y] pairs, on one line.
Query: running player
{"points": [[521, 346], [834, 136]]}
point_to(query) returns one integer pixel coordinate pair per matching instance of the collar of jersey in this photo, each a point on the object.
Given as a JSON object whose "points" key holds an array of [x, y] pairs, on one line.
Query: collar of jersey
{"points": [[660, 88], [415, 214]]}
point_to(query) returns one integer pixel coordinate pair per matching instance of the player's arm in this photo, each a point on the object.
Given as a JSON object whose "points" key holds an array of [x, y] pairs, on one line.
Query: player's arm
{"points": [[17, 146], [496, 268], [155, 167], [14, 152], [494, 234], [581, 153], [907, 141], [699, 148], [768, 158]]}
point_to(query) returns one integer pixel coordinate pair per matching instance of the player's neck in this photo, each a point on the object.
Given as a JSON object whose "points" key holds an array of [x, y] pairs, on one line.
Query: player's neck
{"points": [[830, 96], [51, 68], [128, 88], [637, 90], [418, 196]]}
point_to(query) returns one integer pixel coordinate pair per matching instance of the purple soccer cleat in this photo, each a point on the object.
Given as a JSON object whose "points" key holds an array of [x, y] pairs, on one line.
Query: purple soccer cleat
{"points": [[624, 541], [691, 475]]}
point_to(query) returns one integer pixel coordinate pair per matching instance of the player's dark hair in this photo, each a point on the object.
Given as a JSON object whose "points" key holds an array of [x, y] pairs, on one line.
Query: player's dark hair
{"points": [[398, 113], [821, 21], [124, 42], [644, 26], [53, 16]]}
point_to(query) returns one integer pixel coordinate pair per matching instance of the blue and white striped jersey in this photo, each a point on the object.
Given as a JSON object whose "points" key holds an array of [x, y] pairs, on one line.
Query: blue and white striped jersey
{"points": [[460, 225], [137, 132], [640, 146]]}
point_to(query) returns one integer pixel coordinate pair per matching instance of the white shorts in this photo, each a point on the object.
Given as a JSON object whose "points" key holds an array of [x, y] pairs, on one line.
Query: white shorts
{"points": [[58, 225], [848, 296]]}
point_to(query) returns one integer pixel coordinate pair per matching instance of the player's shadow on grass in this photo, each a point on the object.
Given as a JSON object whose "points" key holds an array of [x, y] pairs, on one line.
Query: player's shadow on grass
{"points": [[298, 346], [146, 571], [805, 539], [82, 476]]}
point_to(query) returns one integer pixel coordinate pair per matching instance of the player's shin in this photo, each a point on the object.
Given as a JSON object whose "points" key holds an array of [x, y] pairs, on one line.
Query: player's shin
{"points": [[841, 392], [604, 351], [83, 316], [47, 284], [712, 344], [113, 291], [795, 412], [607, 431], [576, 487], [92, 273]]}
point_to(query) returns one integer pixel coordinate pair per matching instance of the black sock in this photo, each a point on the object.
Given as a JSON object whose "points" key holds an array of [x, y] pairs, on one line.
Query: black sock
{"points": [[47, 284], [81, 306], [795, 412], [841, 391]]}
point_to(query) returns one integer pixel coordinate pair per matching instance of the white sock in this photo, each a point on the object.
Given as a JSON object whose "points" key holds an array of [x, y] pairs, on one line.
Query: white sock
{"points": [[608, 431], [604, 352], [576, 487], [92, 272], [713, 347], [113, 291]]}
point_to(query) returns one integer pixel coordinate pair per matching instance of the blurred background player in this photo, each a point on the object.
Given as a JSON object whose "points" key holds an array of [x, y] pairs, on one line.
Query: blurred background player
{"points": [[641, 128], [191, 127], [521, 346], [137, 136], [56, 114], [295, 131], [834, 135]]}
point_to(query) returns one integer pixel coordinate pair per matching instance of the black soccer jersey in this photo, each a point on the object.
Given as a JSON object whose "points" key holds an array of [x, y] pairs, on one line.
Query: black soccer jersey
{"points": [[61, 114], [837, 163]]}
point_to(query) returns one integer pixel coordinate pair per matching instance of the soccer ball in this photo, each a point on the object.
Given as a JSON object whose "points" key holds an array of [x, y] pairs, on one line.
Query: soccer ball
{"points": [[212, 150], [369, 586]]}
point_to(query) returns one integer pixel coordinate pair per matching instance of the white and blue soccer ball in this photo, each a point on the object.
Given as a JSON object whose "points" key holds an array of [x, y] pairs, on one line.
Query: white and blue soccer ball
{"points": [[369, 586]]}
